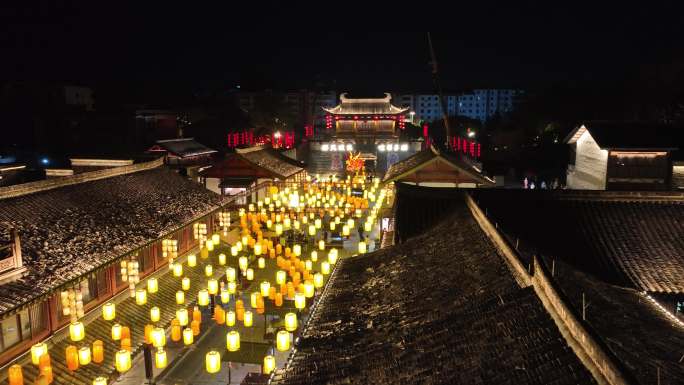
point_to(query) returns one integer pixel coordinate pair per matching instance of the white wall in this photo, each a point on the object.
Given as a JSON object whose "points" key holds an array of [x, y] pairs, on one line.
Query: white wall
{"points": [[213, 185], [591, 164]]}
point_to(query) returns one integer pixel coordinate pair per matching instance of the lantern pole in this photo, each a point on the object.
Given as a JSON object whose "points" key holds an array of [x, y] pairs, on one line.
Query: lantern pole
{"points": [[147, 354]]}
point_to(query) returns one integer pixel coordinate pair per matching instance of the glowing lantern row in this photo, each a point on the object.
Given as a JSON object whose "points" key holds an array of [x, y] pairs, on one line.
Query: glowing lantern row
{"points": [[233, 341], [224, 221], [213, 362], [283, 341], [130, 274], [108, 311], [170, 249], [122, 361], [72, 301]]}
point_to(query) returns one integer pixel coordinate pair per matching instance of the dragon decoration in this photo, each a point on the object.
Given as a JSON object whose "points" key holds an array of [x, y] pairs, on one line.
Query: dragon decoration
{"points": [[355, 164]]}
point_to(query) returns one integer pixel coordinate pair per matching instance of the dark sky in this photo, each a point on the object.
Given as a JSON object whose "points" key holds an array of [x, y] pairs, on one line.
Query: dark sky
{"points": [[518, 45]]}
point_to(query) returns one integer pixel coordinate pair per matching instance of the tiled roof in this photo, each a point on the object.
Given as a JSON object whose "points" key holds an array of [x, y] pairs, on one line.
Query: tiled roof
{"points": [[271, 161], [351, 106], [631, 135], [440, 308], [68, 231], [635, 330], [637, 242], [399, 169], [185, 147]]}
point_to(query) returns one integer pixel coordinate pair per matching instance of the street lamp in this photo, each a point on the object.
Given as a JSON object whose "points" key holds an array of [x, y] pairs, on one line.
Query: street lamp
{"points": [[413, 114]]}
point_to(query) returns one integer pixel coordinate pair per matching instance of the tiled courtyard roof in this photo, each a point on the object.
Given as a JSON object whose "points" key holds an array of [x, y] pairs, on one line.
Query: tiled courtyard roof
{"points": [[271, 161], [636, 241], [69, 231], [634, 329], [184, 147], [441, 308]]}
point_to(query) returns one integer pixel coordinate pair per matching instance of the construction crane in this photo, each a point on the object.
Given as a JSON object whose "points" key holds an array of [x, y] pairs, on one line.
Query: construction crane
{"points": [[438, 89]]}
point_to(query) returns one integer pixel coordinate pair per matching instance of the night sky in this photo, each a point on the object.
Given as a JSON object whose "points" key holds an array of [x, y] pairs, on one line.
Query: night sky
{"points": [[491, 46]]}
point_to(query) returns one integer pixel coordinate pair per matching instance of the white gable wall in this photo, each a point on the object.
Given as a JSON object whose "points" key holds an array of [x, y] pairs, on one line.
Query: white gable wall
{"points": [[591, 164]]}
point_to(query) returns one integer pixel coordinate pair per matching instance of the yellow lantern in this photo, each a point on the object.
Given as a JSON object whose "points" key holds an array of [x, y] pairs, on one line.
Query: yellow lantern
{"points": [[98, 351], [177, 270], [262, 262], [152, 285], [208, 270], [232, 287], [254, 299], [314, 256], [203, 297], [300, 301], [216, 239], [297, 250], [212, 286], [345, 230], [309, 289], [77, 331], [188, 337], [296, 224], [250, 274], [122, 361], [244, 240], [160, 359], [249, 318], [192, 260], [185, 283], [230, 274], [182, 316], [233, 341], [100, 381], [318, 280], [84, 356], [210, 245], [281, 277], [367, 227], [108, 311], [325, 267], [225, 295], [116, 332], [213, 362], [234, 251], [278, 229], [308, 265], [290, 322], [362, 247], [155, 313], [158, 337], [269, 223], [312, 230], [230, 318], [38, 350], [238, 245], [283, 341], [350, 223], [332, 226], [243, 262], [321, 245], [265, 286], [180, 297], [222, 259], [332, 256], [269, 364], [141, 296], [257, 249], [337, 219], [317, 223]]}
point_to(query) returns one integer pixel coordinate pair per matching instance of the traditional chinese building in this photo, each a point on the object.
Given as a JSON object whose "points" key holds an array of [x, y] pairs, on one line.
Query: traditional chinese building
{"points": [[184, 154], [369, 126]]}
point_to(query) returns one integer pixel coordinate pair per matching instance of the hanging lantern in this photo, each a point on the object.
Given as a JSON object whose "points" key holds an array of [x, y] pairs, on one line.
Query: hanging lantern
{"points": [[332, 226], [16, 375], [297, 250], [309, 289], [234, 251], [77, 331], [123, 361], [38, 350], [283, 341], [192, 260], [290, 322], [249, 318], [265, 286], [230, 274], [141, 296], [362, 247], [155, 313], [332, 257], [350, 223], [213, 362], [185, 283], [225, 295], [208, 270], [312, 230], [177, 270], [325, 268], [71, 353], [215, 239], [296, 224], [212, 286], [308, 265], [269, 364], [253, 299], [232, 287], [262, 262], [300, 301], [188, 337], [250, 274], [238, 245], [160, 359], [367, 227], [257, 249], [180, 297], [222, 259], [203, 297], [108, 311], [152, 285], [84, 356], [116, 332], [345, 230], [317, 223], [314, 256], [230, 318], [318, 280], [281, 277], [98, 351], [210, 245], [158, 337], [233, 341], [100, 381], [279, 229], [182, 316], [243, 262]]}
